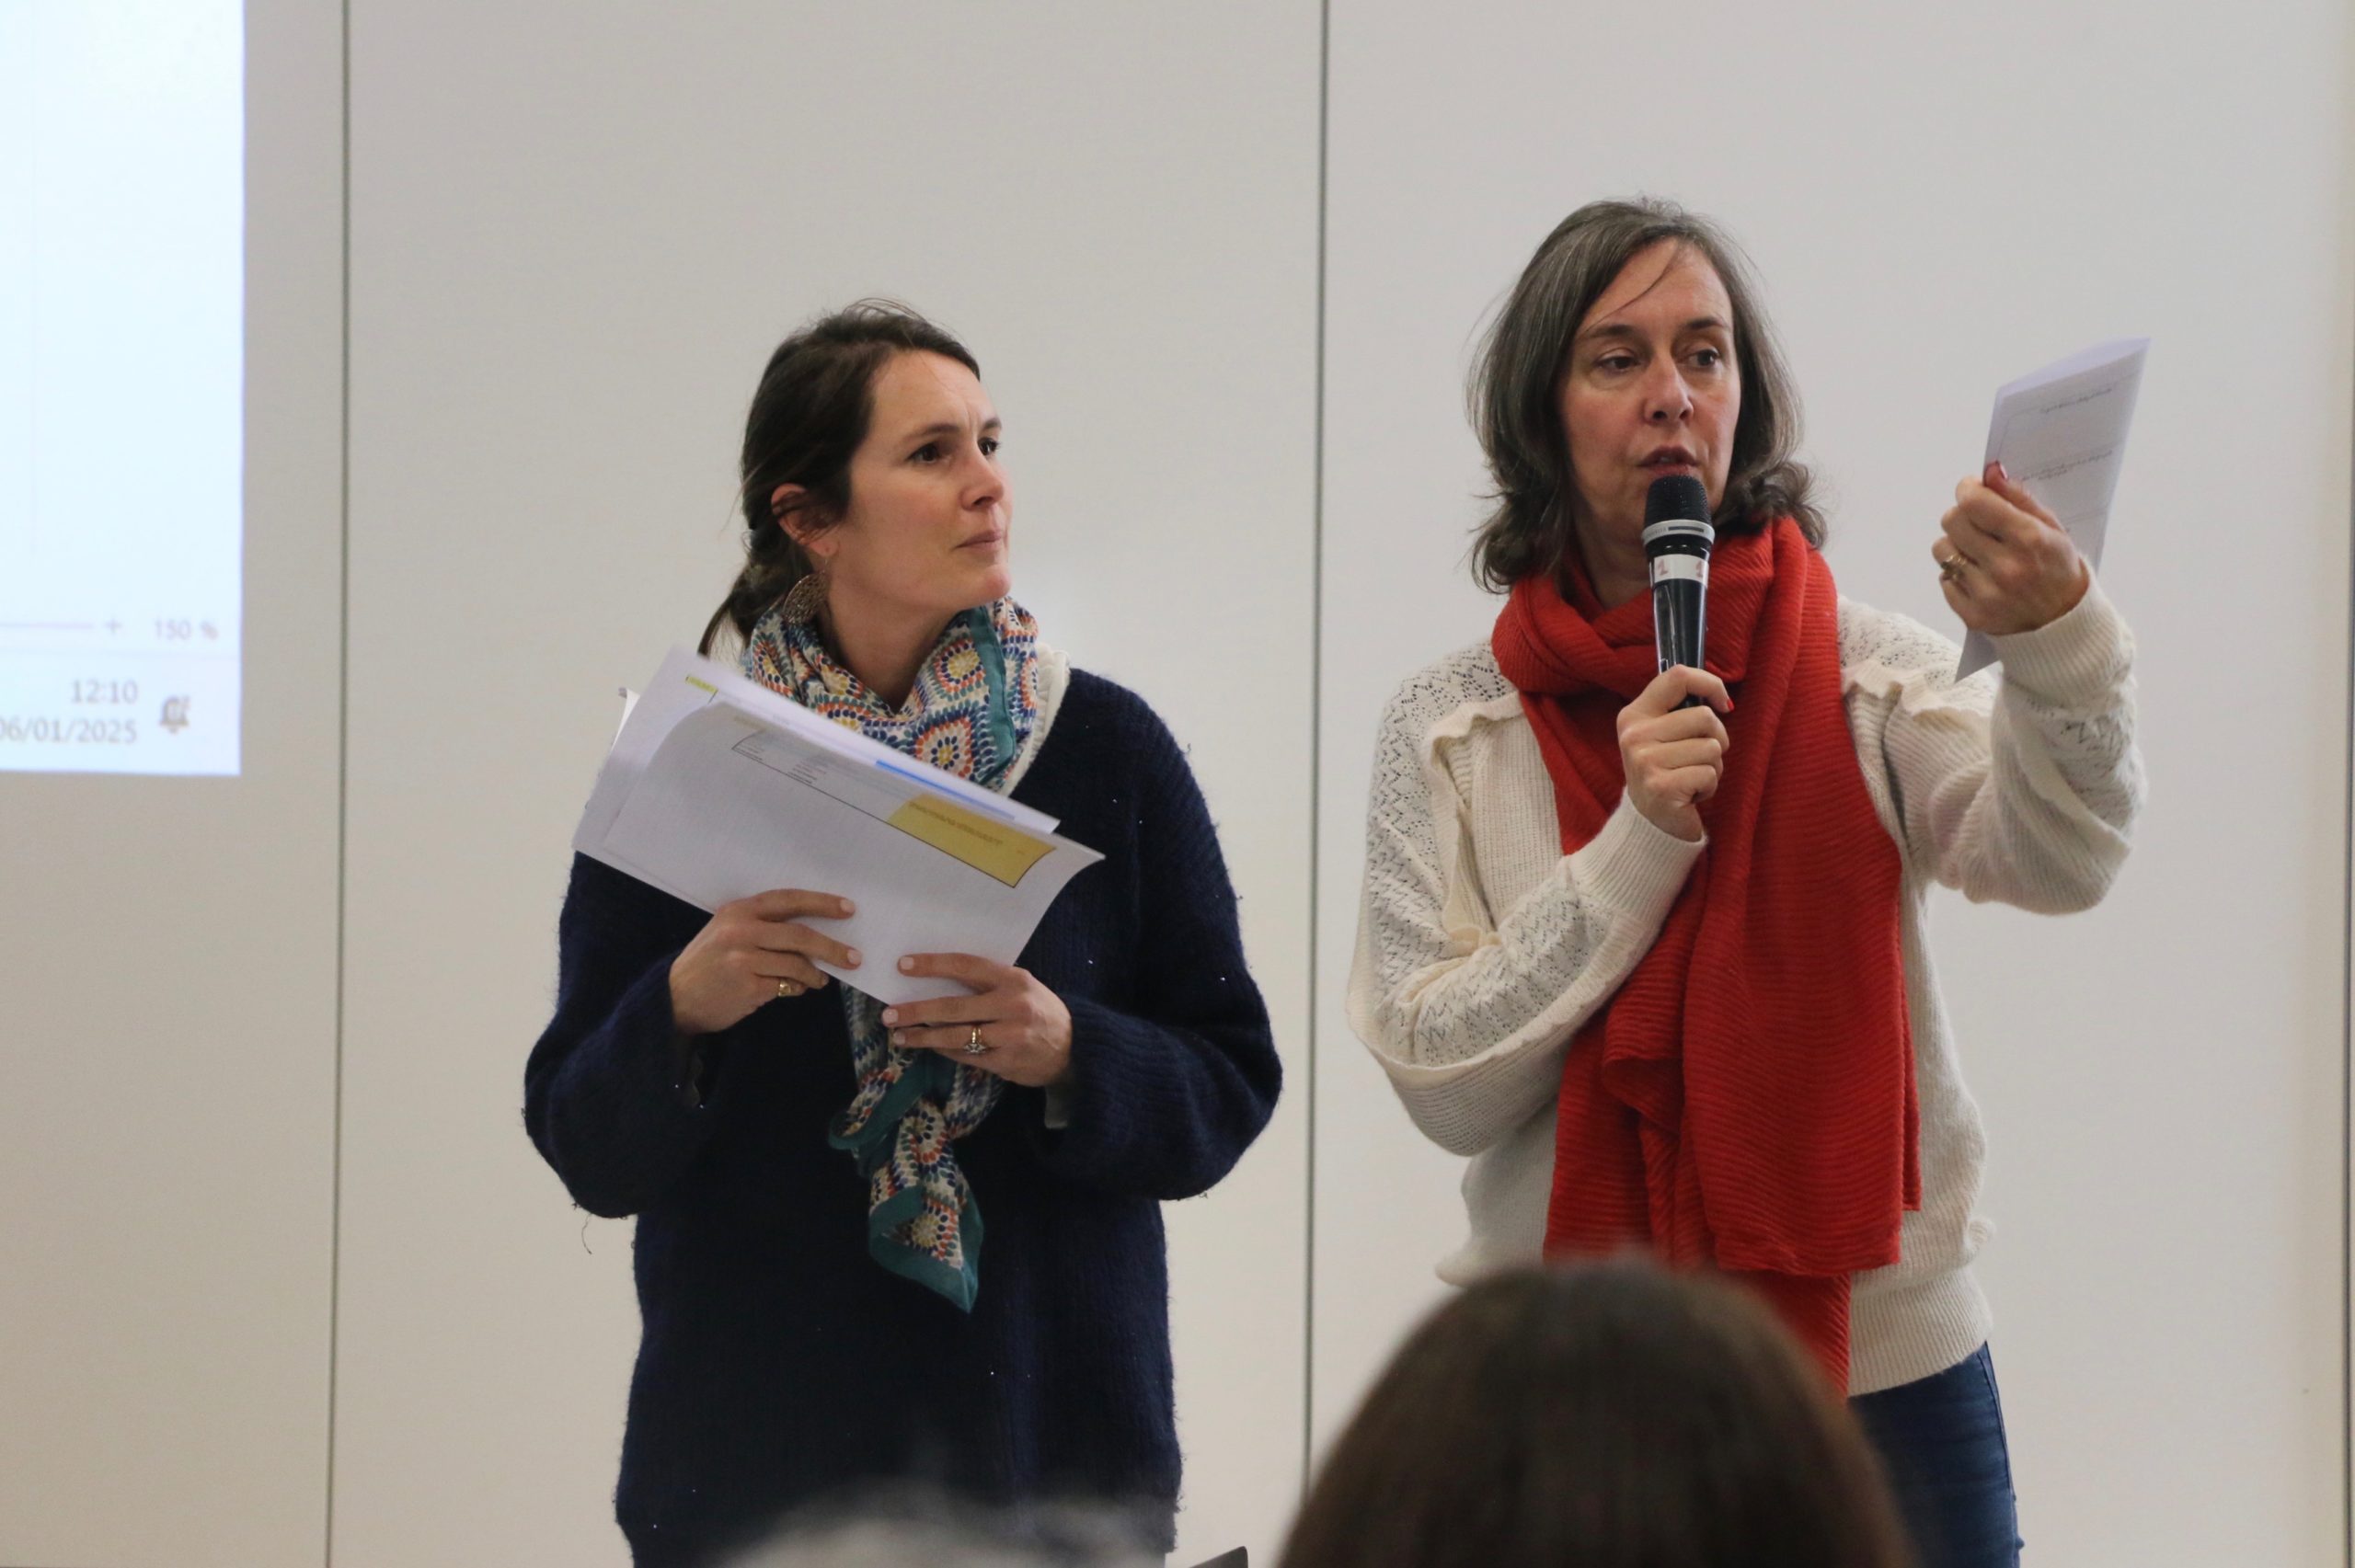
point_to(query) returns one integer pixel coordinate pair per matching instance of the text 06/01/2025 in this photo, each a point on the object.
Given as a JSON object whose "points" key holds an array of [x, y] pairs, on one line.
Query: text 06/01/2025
{"points": [[45, 729]]}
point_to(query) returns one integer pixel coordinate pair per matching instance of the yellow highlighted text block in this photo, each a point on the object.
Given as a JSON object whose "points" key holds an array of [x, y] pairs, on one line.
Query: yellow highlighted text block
{"points": [[990, 847]]}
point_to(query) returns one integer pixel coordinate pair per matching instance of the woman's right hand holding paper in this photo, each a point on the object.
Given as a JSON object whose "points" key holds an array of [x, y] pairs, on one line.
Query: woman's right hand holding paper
{"points": [[753, 952]]}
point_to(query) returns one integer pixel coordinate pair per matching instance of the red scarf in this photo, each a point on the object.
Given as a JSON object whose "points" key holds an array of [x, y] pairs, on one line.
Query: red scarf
{"points": [[1745, 1101]]}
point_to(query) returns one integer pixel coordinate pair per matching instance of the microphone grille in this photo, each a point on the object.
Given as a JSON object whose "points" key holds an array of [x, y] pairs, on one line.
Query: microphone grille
{"points": [[1676, 498]]}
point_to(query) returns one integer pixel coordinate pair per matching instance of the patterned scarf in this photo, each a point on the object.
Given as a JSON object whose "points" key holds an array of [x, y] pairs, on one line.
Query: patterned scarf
{"points": [[1745, 1101], [975, 699]]}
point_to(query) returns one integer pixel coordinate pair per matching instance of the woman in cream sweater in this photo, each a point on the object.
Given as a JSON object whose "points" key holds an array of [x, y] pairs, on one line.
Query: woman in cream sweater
{"points": [[1661, 970]]}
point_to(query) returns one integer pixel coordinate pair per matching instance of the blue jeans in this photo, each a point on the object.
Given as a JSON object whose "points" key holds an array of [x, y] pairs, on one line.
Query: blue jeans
{"points": [[1942, 1441]]}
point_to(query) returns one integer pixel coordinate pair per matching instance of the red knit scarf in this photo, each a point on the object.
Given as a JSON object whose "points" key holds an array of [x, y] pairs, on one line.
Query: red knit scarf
{"points": [[1745, 1101]]}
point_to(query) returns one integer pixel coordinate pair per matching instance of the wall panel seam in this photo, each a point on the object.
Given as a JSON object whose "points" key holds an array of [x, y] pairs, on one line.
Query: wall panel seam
{"points": [[1315, 746], [342, 767], [2346, 1073]]}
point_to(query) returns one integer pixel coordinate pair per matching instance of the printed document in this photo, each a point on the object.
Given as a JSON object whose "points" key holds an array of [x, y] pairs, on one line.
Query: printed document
{"points": [[2061, 433], [717, 788]]}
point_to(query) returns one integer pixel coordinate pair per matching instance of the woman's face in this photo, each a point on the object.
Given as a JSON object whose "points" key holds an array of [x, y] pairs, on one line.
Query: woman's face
{"points": [[930, 516], [1651, 388]]}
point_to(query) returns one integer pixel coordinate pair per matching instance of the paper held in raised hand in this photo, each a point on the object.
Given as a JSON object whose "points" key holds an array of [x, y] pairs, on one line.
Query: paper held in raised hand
{"points": [[2061, 433], [717, 788]]}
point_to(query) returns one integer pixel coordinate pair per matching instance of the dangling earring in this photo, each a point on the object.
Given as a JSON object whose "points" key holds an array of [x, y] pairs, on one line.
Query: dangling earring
{"points": [[806, 598]]}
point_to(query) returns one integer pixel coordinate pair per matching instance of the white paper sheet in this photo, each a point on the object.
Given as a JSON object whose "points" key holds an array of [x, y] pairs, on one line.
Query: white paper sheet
{"points": [[2061, 433], [719, 788]]}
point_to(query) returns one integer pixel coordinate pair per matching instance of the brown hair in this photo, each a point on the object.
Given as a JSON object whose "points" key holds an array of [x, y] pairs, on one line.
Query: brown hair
{"points": [[1515, 389], [808, 417], [1611, 1416]]}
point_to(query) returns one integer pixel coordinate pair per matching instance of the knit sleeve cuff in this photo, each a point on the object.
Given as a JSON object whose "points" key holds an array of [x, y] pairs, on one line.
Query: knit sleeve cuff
{"points": [[1153, 1110], [1101, 1084], [1634, 865], [1075, 1125], [679, 1069], [609, 1117], [2077, 660]]}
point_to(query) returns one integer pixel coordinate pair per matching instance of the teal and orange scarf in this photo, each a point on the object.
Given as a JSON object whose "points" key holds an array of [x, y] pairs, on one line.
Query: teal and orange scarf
{"points": [[975, 701]]}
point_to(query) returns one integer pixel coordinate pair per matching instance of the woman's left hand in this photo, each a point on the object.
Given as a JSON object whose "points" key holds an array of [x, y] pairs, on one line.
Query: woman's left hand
{"points": [[1022, 1029], [2005, 563]]}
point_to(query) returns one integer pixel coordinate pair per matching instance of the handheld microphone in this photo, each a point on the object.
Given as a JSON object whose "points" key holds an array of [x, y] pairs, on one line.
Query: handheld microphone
{"points": [[1677, 537]]}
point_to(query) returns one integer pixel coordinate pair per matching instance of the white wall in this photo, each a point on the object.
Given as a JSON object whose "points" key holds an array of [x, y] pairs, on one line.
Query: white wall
{"points": [[1938, 201], [575, 232]]}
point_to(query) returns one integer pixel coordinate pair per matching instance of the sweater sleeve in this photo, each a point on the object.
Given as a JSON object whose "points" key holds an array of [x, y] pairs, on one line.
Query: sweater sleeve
{"points": [[602, 1096], [1469, 1012], [2021, 787], [1165, 1093]]}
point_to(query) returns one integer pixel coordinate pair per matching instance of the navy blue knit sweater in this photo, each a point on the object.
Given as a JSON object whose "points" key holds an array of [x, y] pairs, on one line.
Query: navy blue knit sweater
{"points": [[778, 1364]]}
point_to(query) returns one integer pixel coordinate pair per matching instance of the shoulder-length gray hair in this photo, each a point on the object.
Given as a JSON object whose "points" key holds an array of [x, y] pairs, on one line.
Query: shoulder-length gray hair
{"points": [[1515, 390]]}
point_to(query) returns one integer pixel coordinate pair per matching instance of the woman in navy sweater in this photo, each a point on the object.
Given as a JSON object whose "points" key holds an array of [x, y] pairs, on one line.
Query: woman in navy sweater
{"points": [[825, 1312]]}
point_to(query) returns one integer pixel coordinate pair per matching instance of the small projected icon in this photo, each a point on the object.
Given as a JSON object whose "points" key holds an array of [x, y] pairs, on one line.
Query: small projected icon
{"points": [[175, 713], [211, 633]]}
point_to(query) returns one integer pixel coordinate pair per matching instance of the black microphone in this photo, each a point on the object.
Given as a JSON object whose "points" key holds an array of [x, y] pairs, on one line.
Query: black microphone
{"points": [[1677, 537]]}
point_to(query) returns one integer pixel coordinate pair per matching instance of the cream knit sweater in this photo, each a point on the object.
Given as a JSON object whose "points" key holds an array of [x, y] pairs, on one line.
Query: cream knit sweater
{"points": [[1482, 949]]}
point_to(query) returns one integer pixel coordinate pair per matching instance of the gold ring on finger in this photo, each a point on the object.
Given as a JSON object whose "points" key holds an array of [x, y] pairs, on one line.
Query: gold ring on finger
{"points": [[973, 1046], [787, 989]]}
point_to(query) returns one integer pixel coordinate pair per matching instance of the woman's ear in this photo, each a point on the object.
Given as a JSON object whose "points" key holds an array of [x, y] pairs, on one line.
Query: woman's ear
{"points": [[788, 505]]}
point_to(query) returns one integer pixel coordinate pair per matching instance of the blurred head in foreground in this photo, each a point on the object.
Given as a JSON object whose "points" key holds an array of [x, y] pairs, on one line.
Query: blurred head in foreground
{"points": [[915, 1528], [1609, 1415]]}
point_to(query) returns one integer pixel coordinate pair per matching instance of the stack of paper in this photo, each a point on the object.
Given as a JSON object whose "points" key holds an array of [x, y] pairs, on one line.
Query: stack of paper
{"points": [[719, 788]]}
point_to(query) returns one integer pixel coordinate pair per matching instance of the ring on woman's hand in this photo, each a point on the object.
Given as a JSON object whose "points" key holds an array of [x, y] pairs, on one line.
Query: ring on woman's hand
{"points": [[1950, 569], [787, 989], [973, 1046]]}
